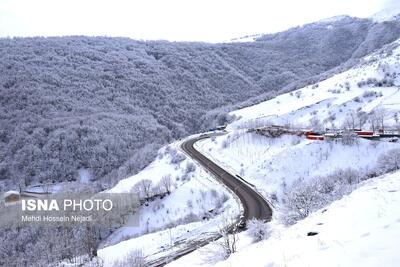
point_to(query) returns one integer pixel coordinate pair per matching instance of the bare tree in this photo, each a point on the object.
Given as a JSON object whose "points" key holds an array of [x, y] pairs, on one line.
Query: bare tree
{"points": [[380, 115], [349, 138], [390, 161], [362, 118], [258, 230], [228, 241], [347, 124], [224, 246], [166, 183], [145, 186], [315, 124], [90, 240], [346, 176], [300, 200], [47, 186], [137, 188], [352, 116], [134, 258], [374, 121]]}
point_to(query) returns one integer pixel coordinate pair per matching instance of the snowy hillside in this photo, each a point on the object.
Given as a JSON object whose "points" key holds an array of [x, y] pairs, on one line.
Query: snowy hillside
{"points": [[193, 209], [278, 149], [181, 204], [332, 188], [274, 164], [371, 85], [390, 12], [362, 229], [245, 39], [366, 97], [276, 167]]}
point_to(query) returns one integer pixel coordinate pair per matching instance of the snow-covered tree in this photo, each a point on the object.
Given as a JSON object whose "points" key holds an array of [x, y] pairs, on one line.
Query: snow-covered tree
{"points": [[166, 183], [349, 138], [258, 230], [146, 186], [390, 161]]}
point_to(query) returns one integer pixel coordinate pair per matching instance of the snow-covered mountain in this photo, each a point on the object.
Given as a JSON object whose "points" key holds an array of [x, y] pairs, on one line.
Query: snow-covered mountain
{"points": [[362, 229], [355, 222], [280, 167], [391, 11], [347, 195], [315, 143], [182, 204], [372, 84], [245, 39]]}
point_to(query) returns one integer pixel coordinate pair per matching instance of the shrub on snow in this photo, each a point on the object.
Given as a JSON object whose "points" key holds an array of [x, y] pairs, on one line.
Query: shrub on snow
{"points": [[347, 176], [134, 258], [390, 161], [302, 197], [190, 167], [349, 138], [300, 200], [258, 230], [177, 157]]}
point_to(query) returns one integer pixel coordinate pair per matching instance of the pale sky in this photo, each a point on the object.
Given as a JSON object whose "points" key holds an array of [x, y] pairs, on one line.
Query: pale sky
{"points": [[174, 20]]}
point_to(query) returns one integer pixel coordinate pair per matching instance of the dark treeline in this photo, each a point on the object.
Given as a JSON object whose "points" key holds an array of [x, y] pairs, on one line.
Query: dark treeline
{"points": [[108, 104]]}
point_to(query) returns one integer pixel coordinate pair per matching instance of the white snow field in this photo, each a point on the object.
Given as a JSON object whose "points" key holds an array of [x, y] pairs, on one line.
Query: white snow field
{"points": [[272, 164], [176, 217], [372, 84], [390, 10], [361, 229]]}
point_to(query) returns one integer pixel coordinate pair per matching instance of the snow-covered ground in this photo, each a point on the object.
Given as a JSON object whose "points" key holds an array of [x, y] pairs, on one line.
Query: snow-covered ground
{"points": [[192, 211], [357, 97], [391, 9], [272, 164], [160, 243], [332, 100], [245, 39], [58, 187], [363, 96], [362, 229]]}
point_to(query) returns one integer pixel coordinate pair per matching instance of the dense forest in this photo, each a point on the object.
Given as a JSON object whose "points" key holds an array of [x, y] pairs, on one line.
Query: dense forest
{"points": [[107, 104]]}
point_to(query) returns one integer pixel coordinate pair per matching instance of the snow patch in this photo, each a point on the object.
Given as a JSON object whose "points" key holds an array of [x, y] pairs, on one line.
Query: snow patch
{"points": [[362, 229]]}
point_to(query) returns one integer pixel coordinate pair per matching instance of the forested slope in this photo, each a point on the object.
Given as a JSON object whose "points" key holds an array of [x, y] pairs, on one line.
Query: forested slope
{"points": [[107, 104]]}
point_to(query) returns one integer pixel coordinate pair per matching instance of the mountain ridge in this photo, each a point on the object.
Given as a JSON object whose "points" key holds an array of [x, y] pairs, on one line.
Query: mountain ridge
{"points": [[62, 97]]}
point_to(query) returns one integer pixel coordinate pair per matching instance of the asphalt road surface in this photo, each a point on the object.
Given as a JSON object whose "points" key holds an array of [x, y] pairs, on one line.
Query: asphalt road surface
{"points": [[255, 206]]}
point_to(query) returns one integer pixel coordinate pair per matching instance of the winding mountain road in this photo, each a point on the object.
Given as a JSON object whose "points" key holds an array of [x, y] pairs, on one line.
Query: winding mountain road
{"points": [[254, 205]]}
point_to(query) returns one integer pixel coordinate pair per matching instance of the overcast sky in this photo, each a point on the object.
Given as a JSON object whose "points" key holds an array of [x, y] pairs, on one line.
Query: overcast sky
{"points": [[175, 20]]}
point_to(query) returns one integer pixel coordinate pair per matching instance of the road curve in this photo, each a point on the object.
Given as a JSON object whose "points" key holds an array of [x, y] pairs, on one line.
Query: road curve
{"points": [[255, 206]]}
